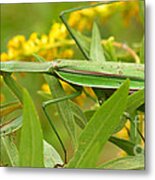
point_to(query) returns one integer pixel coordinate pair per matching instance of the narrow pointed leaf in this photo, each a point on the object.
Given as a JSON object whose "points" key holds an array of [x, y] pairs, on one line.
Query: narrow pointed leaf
{"points": [[99, 129], [31, 140], [96, 49]]}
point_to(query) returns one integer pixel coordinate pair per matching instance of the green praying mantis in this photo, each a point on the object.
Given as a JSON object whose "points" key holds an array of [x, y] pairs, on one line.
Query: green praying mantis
{"points": [[96, 72]]}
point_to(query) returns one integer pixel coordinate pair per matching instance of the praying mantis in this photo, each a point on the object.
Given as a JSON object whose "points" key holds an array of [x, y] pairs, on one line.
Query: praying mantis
{"points": [[96, 72]]}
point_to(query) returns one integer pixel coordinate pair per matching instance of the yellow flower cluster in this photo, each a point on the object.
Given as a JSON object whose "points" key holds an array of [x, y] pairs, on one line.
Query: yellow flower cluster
{"points": [[45, 45], [79, 19]]}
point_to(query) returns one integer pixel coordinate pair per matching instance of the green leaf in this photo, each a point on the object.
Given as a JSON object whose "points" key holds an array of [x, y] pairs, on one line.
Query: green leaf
{"points": [[128, 163], [9, 154], [99, 129], [123, 120], [31, 140], [11, 126], [51, 156], [96, 49], [134, 101], [125, 145]]}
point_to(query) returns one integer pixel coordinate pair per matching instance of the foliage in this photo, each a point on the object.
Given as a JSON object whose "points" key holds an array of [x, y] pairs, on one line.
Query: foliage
{"points": [[80, 121]]}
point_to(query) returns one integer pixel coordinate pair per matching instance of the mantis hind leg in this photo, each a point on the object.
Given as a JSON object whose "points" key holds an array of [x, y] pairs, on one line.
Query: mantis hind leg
{"points": [[48, 103]]}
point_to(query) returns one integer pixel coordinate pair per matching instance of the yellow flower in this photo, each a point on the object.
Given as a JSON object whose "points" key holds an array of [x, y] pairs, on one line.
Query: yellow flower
{"points": [[4, 57], [67, 53], [12, 53], [58, 31], [52, 54], [44, 39], [88, 12], [74, 18], [34, 36], [103, 9], [16, 42], [84, 24], [45, 88]]}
